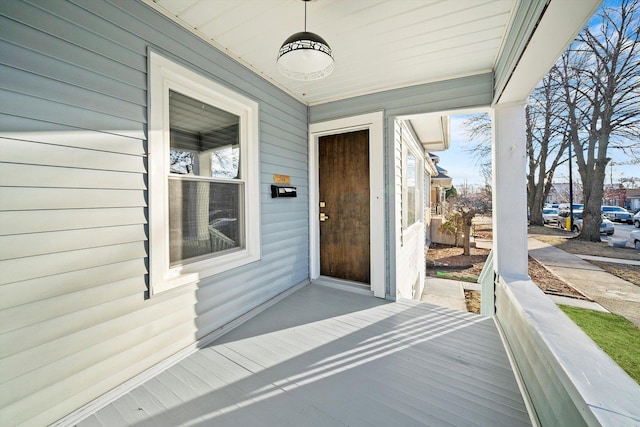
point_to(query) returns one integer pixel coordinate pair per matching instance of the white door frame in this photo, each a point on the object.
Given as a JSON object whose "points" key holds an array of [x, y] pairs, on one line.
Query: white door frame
{"points": [[374, 122]]}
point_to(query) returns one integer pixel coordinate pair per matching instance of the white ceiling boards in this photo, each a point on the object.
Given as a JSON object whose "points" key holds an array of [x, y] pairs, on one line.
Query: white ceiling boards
{"points": [[377, 44]]}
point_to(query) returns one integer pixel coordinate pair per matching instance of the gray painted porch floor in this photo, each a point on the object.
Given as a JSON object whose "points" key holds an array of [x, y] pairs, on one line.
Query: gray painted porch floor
{"points": [[327, 357]]}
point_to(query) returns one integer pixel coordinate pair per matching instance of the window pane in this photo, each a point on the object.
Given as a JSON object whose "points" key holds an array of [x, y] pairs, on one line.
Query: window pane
{"points": [[205, 140], [204, 218], [411, 189]]}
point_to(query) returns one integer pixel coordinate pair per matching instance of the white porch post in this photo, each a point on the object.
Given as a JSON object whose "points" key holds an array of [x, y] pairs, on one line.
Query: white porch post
{"points": [[509, 190]]}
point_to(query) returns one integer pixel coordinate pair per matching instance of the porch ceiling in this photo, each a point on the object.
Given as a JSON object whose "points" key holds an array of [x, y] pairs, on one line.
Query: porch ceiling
{"points": [[386, 44], [377, 44]]}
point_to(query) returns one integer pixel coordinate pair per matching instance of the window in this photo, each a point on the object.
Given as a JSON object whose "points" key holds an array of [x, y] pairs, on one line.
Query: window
{"points": [[412, 193], [203, 177], [412, 180]]}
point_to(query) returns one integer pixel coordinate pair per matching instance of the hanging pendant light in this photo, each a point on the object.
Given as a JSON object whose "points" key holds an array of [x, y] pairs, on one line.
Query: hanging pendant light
{"points": [[305, 55]]}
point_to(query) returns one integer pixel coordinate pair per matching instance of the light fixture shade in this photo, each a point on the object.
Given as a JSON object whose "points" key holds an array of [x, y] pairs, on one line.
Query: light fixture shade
{"points": [[305, 56]]}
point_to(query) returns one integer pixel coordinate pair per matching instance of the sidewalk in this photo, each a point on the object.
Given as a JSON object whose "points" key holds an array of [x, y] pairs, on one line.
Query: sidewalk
{"points": [[612, 260], [609, 292], [445, 293], [616, 295]]}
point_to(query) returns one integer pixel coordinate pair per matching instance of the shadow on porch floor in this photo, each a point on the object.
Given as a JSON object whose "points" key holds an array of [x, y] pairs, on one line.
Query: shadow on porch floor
{"points": [[327, 357]]}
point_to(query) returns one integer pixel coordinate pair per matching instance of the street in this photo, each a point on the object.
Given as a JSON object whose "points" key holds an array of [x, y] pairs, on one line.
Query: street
{"points": [[623, 231]]}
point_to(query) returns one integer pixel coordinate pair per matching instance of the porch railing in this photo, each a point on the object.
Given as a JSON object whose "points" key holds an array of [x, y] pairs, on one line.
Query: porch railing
{"points": [[568, 380], [487, 280]]}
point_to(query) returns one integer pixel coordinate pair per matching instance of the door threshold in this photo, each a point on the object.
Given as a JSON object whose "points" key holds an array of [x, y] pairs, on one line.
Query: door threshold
{"points": [[345, 285]]}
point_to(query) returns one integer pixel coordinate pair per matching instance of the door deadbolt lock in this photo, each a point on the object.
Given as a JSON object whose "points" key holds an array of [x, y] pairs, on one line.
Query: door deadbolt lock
{"points": [[323, 217]]}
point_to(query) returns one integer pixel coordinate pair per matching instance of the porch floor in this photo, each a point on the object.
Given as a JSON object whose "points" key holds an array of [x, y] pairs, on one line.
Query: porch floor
{"points": [[328, 357]]}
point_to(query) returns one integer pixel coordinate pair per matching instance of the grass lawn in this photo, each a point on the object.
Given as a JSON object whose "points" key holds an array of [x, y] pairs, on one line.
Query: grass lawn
{"points": [[454, 276], [618, 337]]}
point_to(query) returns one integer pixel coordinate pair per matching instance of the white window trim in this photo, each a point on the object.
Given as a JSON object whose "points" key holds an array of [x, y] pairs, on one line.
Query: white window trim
{"points": [[409, 144], [164, 75]]}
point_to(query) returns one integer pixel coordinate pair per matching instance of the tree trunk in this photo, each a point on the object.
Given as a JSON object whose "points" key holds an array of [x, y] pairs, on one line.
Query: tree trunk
{"points": [[591, 216], [592, 172], [467, 219], [536, 207]]}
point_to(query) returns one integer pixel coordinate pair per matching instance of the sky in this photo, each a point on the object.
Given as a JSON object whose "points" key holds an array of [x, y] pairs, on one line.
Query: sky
{"points": [[462, 167]]}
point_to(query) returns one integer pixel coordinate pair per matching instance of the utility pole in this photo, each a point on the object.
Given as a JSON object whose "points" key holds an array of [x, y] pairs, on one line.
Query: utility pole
{"points": [[611, 173], [570, 191]]}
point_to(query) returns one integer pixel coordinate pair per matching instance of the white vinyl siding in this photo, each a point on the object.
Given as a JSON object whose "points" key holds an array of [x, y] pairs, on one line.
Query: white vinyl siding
{"points": [[410, 226]]}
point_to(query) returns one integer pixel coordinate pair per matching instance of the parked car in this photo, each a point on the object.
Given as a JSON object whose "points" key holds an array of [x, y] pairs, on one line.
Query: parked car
{"points": [[606, 227], [634, 239], [550, 215], [617, 213], [562, 219], [636, 219], [576, 206]]}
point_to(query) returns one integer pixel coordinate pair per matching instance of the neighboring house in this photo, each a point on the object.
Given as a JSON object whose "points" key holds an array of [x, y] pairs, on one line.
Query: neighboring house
{"points": [[138, 158], [559, 193], [614, 195], [440, 183], [633, 199], [618, 195], [430, 172]]}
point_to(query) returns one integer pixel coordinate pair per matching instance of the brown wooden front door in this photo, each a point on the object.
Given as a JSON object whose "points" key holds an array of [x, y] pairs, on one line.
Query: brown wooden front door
{"points": [[343, 162]]}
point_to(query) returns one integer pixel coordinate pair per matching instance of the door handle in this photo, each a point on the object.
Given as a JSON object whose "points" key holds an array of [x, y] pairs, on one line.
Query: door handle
{"points": [[323, 217]]}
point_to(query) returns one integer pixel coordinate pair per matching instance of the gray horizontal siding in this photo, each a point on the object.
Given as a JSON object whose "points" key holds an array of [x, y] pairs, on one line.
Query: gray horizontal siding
{"points": [[30, 130], [70, 51], [37, 221], [74, 317], [40, 87], [21, 175], [26, 245], [32, 62], [46, 110], [464, 92], [15, 198], [18, 269], [43, 288], [57, 305]]}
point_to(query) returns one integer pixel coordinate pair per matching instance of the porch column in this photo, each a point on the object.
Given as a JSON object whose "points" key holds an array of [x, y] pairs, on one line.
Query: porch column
{"points": [[509, 190]]}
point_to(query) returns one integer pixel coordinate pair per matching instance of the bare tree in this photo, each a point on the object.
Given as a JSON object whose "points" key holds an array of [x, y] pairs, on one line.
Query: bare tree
{"points": [[600, 74], [546, 142], [478, 129], [630, 182], [465, 208]]}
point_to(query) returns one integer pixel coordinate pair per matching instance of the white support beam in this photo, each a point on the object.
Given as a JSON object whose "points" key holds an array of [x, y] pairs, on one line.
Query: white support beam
{"points": [[509, 190]]}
